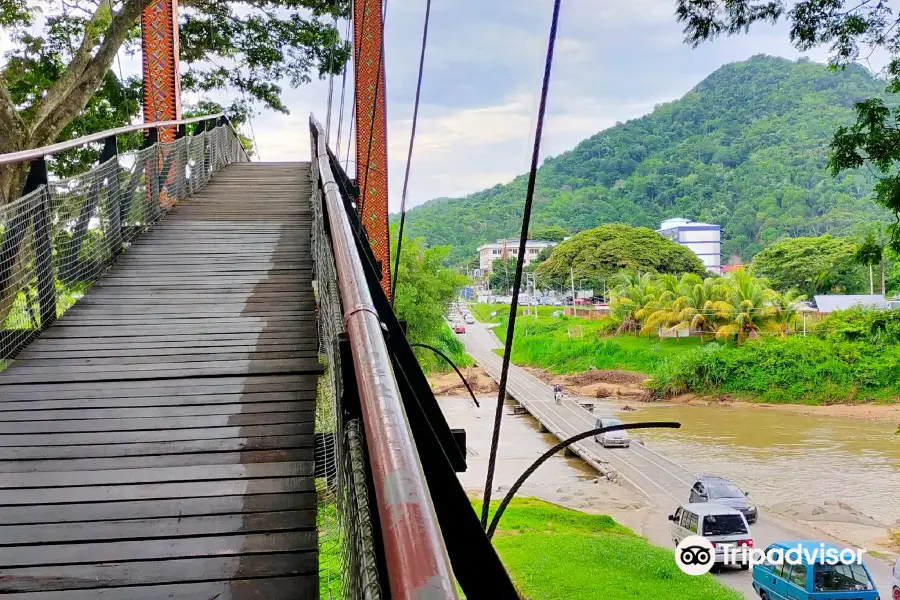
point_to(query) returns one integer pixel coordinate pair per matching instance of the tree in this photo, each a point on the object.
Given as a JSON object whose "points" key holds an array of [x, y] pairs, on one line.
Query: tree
{"points": [[746, 309], [503, 275], [599, 254], [61, 60], [424, 292], [811, 264], [854, 30], [549, 233], [868, 253]]}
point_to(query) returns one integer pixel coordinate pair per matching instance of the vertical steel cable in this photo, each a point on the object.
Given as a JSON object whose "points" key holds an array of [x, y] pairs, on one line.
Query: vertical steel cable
{"points": [[337, 149], [330, 84], [520, 260], [412, 139]]}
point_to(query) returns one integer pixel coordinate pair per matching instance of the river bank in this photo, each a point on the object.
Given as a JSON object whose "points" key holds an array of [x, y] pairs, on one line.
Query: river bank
{"points": [[849, 465], [817, 369]]}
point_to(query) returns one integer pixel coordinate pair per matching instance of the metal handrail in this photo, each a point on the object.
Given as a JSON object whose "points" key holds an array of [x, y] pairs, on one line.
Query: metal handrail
{"points": [[415, 554], [35, 153]]}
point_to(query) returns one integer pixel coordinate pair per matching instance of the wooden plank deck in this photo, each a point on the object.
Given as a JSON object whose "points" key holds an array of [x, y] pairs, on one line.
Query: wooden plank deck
{"points": [[157, 441]]}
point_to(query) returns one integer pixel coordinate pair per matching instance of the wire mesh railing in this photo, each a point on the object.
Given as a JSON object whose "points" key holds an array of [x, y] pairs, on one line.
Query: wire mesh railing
{"points": [[62, 234], [348, 562]]}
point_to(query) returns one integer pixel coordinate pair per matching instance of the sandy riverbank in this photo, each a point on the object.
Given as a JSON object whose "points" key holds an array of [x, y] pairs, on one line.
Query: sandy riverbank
{"points": [[628, 386]]}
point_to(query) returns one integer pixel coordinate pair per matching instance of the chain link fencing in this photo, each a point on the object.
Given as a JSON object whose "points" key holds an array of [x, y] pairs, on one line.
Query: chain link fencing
{"points": [[347, 558], [60, 238]]}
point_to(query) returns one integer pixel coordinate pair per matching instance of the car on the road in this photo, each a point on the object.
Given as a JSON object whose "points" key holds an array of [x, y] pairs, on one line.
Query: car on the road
{"points": [[470, 320], [610, 439], [895, 591], [710, 488], [812, 580], [723, 526], [459, 328]]}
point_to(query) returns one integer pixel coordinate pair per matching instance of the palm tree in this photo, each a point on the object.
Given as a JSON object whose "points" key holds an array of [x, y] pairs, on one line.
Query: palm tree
{"points": [[632, 294], [695, 306], [668, 310], [746, 307], [787, 309]]}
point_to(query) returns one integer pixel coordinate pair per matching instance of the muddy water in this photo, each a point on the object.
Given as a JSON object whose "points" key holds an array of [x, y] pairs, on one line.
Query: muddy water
{"points": [[567, 481], [785, 458]]}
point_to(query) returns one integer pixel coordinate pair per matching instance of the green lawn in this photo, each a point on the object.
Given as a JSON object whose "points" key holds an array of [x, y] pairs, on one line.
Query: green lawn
{"points": [[555, 553], [570, 345], [482, 312]]}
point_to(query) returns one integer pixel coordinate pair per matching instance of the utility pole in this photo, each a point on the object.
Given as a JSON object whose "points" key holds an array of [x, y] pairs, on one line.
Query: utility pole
{"points": [[572, 275]]}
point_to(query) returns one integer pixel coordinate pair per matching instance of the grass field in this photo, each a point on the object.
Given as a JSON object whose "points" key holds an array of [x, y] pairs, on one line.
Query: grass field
{"points": [[554, 553], [570, 345]]}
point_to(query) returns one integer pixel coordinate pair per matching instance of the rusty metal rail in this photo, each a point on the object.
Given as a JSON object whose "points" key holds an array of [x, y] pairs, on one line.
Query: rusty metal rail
{"points": [[415, 554]]}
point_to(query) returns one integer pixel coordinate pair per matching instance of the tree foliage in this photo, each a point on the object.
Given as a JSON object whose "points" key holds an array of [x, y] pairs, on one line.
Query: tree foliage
{"points": [[602, 252], [57, 82], [745, 149], [735, 307], [853, 30], [424, 292], [811, 264], [549, 233]]}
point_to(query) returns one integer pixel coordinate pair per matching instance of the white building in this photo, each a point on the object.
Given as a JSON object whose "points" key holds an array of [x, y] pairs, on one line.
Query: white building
{"points": [[488, 253], [703, 239]]}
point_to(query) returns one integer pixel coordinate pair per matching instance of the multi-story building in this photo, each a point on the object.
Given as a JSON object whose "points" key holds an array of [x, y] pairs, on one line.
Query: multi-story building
{"points": [[488, 253], [703, 239]]}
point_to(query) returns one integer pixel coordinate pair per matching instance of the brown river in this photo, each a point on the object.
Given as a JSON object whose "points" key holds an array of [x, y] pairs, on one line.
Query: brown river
{"points": [[785, 460]]}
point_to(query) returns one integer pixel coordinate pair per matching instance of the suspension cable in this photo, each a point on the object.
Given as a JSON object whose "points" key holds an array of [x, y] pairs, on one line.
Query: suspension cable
{"points": [[565, 444], [455, 368], [331, 83], [412, 139], [520, 260], [337, 149]]}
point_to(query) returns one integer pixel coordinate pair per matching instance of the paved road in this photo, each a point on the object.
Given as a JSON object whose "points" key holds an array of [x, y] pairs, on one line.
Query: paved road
{"points": [[664, 481]]}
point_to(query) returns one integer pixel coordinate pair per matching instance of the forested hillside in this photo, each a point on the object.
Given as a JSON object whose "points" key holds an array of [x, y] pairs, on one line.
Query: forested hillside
{"points": [[745, 149]]}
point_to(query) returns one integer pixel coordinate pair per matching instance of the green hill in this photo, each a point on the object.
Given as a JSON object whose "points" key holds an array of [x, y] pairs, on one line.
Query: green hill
{"points": [[746, 149]]}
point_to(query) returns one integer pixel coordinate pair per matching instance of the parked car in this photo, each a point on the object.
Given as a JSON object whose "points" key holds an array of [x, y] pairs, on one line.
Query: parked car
{"points": [[459, 328], [608, 439], [719, 524], [710, 488], [557, 302], [470, 320], [896, 581], [819, 581]]}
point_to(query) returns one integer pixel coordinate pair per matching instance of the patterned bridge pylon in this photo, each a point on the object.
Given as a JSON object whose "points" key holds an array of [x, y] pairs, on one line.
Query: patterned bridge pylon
{"points": [[371, 166], [162, 80]]}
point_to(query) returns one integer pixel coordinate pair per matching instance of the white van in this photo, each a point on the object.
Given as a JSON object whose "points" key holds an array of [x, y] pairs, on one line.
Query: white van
{"points": [[719, 524]]}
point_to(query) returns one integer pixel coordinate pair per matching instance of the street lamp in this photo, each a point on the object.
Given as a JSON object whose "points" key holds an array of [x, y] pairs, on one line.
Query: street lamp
{"points": [[805, 310]]}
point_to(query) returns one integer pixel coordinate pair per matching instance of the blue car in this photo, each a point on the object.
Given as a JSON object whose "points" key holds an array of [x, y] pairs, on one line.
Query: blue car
{"points": [[813, 580]]}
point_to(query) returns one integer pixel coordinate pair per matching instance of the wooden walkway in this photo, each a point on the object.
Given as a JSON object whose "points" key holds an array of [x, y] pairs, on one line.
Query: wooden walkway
{"points": [[157, 442]]}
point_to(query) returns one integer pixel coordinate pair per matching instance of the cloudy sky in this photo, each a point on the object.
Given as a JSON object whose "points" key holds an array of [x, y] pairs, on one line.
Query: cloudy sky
{"points": [[615, 60]]}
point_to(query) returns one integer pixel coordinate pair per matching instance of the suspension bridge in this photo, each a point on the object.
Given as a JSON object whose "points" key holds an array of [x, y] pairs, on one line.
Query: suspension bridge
{"points": [[205, 392]]}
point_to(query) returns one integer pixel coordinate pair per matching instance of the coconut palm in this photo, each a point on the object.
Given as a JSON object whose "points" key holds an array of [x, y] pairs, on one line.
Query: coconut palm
{"points": [[632, 294], [675, 295], [746, 307], [787, 310], [695, 306]]}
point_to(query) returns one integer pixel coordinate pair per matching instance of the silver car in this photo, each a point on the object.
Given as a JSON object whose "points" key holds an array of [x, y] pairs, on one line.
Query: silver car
{"points": [[612, 439], [710, 488]]}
